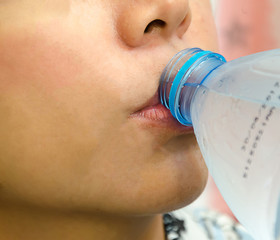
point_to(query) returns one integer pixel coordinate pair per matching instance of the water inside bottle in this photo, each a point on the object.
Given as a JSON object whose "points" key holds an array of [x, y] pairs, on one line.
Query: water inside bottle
{"points": [[241, 148]]}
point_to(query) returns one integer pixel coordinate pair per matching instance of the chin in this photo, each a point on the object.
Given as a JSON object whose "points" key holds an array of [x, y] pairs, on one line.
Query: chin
{"points": [[188, 174], [177, 190], [168, 178], [172, 201], [177, 199]]}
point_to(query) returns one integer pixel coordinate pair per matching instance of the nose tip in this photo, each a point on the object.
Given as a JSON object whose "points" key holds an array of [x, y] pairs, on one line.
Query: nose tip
{"points": [[177, 15], [145, 21]]}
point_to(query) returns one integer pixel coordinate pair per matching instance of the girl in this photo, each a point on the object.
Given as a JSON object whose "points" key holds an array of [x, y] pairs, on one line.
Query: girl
{"points": [[86, 150]]}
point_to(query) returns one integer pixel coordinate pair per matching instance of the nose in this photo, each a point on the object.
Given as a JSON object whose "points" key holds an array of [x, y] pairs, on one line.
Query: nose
{"points": [[143, 21]]}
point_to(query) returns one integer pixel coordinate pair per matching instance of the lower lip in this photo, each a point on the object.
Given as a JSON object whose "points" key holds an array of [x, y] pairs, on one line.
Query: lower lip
{"points": [[161, 117]]}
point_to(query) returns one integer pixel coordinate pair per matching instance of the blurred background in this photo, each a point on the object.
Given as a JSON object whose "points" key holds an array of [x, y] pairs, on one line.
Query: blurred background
{"points": [[244, 27]]}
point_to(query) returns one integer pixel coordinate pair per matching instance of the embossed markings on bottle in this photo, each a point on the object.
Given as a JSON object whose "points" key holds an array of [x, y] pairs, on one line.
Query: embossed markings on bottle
{"points": [[257, 128]]}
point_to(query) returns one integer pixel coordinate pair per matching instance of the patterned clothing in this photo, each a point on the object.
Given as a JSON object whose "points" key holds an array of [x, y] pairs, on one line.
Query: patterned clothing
{"points": [[202, 225]]}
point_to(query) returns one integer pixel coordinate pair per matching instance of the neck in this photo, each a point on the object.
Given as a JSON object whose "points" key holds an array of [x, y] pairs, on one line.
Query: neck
{"points": [[26, 223]]}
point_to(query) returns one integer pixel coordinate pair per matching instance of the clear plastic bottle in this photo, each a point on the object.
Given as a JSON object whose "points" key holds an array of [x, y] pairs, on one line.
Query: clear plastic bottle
{"points": [[234, 108]]}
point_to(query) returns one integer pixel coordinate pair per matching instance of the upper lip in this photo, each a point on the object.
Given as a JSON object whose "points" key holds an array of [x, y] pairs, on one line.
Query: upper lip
{"points": [[153, 101]]}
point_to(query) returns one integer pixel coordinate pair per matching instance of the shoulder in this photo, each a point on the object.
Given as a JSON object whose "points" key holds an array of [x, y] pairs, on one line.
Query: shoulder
{"points": [[204, 224]]}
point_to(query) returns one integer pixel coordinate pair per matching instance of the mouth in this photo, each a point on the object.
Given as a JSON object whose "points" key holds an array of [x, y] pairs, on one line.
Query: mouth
{"points": [[154, 114]]}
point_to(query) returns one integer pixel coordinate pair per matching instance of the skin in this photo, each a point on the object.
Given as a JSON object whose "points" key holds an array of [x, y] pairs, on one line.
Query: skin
{"points": [[73, 164]]}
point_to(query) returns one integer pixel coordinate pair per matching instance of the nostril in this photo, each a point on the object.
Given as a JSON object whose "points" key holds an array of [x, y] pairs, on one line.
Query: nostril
{"points": [[155, 25]]}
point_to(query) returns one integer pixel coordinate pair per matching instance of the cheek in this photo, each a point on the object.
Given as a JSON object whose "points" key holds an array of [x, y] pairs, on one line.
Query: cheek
{"points": [[59, 72], [56, 114], [28, 59]]}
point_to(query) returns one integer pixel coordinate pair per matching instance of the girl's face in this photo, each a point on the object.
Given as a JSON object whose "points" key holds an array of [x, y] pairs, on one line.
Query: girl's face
{"points": [[72, 73]]}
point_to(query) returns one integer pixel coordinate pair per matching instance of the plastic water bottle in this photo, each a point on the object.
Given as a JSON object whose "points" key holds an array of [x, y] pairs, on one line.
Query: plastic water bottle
{"points": [[234, 108]]}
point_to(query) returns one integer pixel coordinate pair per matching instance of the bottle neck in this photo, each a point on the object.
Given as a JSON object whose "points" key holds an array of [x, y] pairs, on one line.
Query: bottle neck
{"points": [[185, 72]]}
